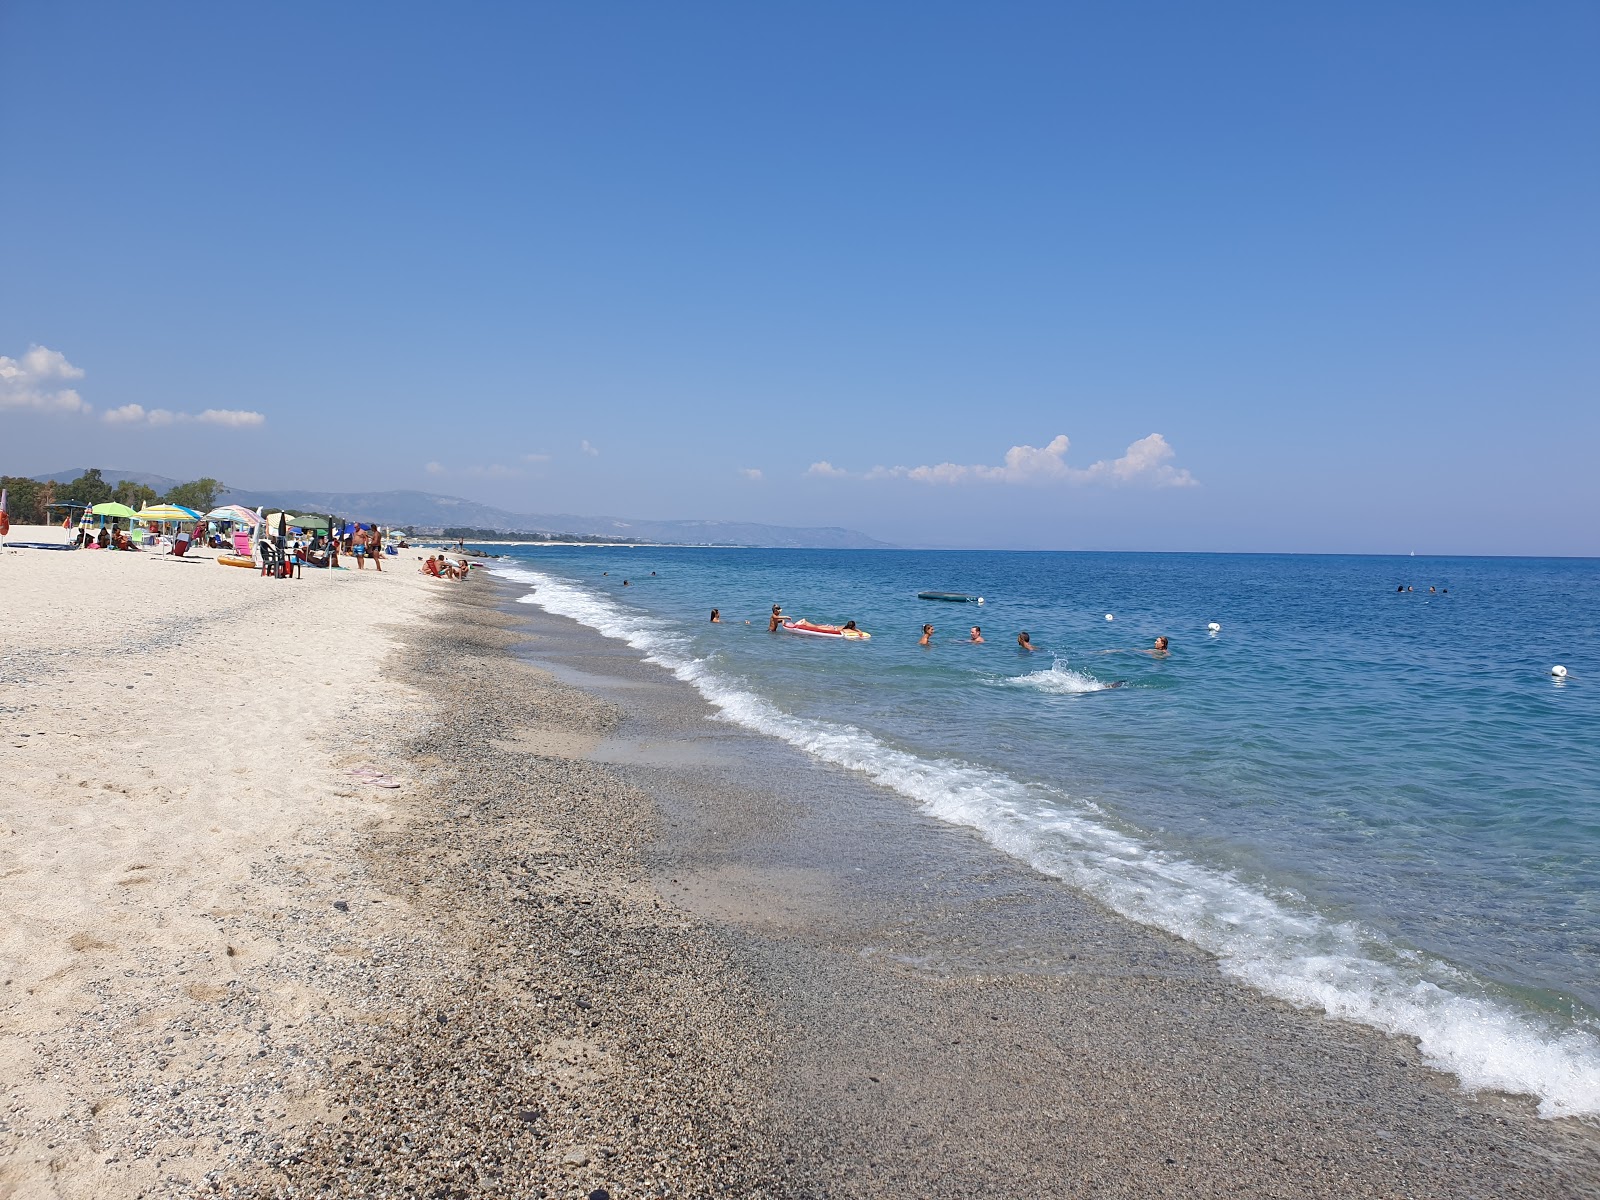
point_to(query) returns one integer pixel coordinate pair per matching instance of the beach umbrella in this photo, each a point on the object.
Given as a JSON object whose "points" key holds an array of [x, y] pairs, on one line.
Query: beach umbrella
{"points": [[236, 513], [166, 512], [112, 509]]}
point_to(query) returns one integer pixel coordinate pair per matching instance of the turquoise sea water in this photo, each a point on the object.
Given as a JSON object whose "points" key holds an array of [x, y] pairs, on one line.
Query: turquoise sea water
{"points": [[1379, 804]]}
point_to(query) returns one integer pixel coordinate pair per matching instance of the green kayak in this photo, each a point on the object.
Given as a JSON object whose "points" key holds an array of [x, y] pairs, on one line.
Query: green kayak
{"points": [[954, 597]]}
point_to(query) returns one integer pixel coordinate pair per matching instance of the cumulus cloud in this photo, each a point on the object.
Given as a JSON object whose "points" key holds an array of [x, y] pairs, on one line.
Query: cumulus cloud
{"points": [[433, 468], [1147, 461], [536, 458], [137, 414], [751, 472], [35, 381], [588, 449], [826, 470]]}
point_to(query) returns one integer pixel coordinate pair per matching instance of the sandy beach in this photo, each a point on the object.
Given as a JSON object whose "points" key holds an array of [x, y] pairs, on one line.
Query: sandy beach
{"points": [[593, 944]]}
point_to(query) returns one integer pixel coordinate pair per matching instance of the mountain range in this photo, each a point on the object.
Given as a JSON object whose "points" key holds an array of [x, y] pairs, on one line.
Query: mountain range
{"points": [[429, 512]]}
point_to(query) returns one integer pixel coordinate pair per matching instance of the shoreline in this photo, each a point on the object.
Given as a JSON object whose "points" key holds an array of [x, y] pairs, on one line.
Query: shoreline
{"points": [[597, 942], [791, 858]]}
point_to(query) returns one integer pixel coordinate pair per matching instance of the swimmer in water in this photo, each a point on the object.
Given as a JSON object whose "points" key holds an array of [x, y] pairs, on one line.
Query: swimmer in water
{"points": [[977, 635], [1024, 643], [927, 636], [776, 619], [625, 583], [1160, 647], [716, 616], [849, 624]]}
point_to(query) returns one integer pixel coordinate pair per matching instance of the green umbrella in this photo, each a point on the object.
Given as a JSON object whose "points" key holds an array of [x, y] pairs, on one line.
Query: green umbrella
{"points": [[112, 509]]}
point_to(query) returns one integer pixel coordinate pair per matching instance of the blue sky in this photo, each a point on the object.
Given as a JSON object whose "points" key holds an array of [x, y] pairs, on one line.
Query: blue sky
{"points": [[619, 258]]}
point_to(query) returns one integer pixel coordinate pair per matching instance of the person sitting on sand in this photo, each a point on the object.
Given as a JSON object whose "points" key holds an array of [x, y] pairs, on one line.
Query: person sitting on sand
{"points": [[1024, 643], [103, 538], [977, 635], [927, 636], [431, 567], [776, 619], [716, 616]]}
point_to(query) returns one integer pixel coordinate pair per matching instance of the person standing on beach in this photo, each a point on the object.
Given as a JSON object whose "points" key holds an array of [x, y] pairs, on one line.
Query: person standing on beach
{"points": [[776, 620], [375, 547], [358, 545]]}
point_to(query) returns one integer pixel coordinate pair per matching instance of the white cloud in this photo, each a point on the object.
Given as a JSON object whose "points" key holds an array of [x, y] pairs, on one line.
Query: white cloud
{"points": [[753, 473], [1147, 461], [536, 458], [233, 418], [137, 414], [34, 381], [433, 468], [588, 449]]}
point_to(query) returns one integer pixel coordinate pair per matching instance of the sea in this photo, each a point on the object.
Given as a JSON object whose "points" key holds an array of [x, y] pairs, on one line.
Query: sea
{"points": [[1357, 781]]}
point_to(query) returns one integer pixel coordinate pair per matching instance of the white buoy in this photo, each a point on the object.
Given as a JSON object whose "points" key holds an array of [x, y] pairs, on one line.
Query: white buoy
{"points": [[1109, 617], [980, 599], [1558, 671], [1215, 627]]}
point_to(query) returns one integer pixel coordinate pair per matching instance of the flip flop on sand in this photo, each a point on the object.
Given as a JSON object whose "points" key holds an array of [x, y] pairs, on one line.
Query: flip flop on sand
{"points": [[375, 777]]}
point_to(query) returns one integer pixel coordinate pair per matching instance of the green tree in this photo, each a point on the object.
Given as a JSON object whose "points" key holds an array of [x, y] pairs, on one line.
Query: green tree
{"points": [[200, 494], [134, 495], [88, 488], [25, 499]]}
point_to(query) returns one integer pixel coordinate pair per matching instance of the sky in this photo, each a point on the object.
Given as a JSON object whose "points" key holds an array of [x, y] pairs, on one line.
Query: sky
{"points": [[1139, 276]]}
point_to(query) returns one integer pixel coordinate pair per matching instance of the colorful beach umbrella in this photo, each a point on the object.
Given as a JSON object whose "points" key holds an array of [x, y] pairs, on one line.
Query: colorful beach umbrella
{"points": [[236, 513], [164, 512]]}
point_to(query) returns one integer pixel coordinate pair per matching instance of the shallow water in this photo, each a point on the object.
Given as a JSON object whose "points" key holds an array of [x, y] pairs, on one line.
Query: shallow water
{"points": [[1379, 804]]}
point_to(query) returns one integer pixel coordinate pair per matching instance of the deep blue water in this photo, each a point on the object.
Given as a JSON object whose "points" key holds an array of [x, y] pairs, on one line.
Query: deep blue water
{"points": [[1380, 804]]}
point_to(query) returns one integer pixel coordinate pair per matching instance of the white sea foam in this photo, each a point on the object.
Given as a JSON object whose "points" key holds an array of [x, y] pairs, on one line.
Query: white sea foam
{"points": [[1057, 679], [1274, 943]]}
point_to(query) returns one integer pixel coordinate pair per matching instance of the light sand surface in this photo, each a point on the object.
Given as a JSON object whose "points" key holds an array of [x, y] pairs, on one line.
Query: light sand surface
{"points": [[175, 742]]}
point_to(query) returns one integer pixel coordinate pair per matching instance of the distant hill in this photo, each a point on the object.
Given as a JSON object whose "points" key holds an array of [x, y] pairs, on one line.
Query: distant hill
{"points": [[427, 511]]}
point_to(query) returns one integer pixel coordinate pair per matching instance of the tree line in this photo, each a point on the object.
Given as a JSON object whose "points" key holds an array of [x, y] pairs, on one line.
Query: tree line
{"points": [[26, 498]]}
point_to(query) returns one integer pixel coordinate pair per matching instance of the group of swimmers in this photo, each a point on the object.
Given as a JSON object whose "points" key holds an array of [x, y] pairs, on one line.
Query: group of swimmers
{"points": [[1404, 587], [974, 636]]}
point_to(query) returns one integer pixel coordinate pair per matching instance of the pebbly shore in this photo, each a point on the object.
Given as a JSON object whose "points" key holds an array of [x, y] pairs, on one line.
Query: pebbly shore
{"points": [[608, 948]]}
